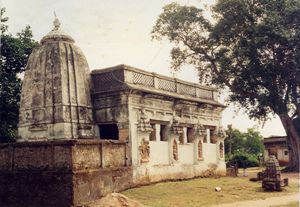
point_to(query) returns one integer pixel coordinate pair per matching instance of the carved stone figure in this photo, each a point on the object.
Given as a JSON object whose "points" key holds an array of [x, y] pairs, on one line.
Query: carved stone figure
{"points": [[175, 150], [221, 133], [144, 151], [200, 151], [221, 148]]}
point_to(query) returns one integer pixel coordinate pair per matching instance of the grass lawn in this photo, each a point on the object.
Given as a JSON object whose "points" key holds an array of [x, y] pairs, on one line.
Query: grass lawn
{"points": [[201, 192], [293, 204]]}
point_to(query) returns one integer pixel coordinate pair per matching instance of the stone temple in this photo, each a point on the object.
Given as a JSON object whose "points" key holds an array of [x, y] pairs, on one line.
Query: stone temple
{"points": [[84, 134]]}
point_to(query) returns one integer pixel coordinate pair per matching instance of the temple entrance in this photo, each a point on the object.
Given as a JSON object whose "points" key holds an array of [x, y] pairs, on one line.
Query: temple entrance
{"points": [[109, 131]]}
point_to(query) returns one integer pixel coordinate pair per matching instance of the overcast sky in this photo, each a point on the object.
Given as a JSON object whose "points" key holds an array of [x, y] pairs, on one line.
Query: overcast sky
{"points": [[113, 32]]}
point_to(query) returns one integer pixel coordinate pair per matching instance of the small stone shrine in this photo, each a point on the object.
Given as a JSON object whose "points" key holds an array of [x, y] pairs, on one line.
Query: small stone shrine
{"points": [[271, 180], [85, 134]]}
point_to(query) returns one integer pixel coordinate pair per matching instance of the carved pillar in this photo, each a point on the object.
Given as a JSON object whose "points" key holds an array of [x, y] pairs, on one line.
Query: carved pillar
{"points": [[200, 133], [220, 144], [144, 130], [176, 131]]}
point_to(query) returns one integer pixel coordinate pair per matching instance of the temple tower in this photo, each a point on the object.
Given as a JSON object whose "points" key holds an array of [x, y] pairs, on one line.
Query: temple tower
{"points": [[55, 99]]}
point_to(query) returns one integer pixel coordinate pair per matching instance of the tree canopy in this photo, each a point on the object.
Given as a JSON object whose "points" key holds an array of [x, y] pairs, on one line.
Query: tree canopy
{"points": [[15, 51], [249, 142], [251, 48]]}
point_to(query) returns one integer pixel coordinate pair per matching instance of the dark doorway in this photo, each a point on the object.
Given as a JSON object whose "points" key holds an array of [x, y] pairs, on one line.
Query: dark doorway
{"points": [[109, 131]]}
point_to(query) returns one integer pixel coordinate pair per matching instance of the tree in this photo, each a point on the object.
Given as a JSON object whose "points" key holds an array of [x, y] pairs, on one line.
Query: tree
{"points": [[253, 143], [249, 142], [234, 142], [253, 49], [15, 52], [246, 148]]}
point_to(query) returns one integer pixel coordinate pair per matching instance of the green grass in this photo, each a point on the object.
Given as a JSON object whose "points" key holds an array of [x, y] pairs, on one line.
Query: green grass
{"points": [[201, 192], [293, 204]]}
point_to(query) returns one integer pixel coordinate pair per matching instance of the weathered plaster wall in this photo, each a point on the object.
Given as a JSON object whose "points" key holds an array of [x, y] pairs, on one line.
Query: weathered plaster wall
{"points": [[161, 165]]}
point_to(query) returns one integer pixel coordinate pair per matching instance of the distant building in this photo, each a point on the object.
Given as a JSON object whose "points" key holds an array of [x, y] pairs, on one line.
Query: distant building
{"points": [[276, 145]]}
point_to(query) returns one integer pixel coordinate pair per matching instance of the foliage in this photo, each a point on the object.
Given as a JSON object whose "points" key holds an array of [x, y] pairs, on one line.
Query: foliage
{"points": [[253, 48], [244, 160], [15, 52], [249, 142], [245, 147]]}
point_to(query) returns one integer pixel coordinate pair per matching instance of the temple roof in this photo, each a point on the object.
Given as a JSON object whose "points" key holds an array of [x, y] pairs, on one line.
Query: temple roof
{"points": [[124, 77], [56, 34]]}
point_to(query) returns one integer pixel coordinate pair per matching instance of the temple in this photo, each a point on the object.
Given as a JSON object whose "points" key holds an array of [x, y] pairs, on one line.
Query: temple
{"points": [[85, 134], [172, 126]]}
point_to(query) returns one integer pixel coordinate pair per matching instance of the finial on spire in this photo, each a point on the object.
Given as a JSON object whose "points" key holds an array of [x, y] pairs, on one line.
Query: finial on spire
{"points": [[56, 22]]}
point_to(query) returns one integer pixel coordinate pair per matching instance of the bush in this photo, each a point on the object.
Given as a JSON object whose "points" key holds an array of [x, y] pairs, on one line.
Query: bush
{"points": [[244, 160]]}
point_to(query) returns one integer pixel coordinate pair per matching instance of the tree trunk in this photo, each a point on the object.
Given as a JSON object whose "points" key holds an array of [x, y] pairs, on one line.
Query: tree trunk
{"points": [[292, 141]]}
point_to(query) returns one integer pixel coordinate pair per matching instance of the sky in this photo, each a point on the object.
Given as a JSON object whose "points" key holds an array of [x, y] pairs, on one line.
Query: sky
{"points": [[113, 32]]}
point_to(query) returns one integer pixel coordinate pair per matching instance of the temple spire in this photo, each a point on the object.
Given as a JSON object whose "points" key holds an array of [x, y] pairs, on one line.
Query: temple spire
{"points": [[56, 22], [56, 34]]}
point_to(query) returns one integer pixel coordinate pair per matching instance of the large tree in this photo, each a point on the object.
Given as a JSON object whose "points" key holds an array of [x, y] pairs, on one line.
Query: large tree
{"points": [[252, 47], [14, 55]]}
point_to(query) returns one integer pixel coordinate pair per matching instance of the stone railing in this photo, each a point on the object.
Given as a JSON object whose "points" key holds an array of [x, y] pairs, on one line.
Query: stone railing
{"points": [[119, 77]]}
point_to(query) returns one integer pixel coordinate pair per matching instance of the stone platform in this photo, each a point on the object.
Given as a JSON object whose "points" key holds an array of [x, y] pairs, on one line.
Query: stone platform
{"points": [[62, 173]]}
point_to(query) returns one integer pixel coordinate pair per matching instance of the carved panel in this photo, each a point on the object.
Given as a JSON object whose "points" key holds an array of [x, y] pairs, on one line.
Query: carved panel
{"points": [[176, 128], [186, 89], [142, 79], [144, 123], [221, 148], [204, 93], [144, 149], [175, 150], [166, 85], [200, 150], [38, 115], [108, 81]]}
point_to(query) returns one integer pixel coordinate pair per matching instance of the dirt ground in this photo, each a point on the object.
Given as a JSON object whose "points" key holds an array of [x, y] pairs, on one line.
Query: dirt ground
{"points": [[273, 201]]}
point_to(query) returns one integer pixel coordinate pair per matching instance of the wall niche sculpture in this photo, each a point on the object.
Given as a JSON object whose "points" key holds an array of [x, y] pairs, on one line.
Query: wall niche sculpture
{"points": [[200, 151], [144, 151], [175, 150], [221, 147]]}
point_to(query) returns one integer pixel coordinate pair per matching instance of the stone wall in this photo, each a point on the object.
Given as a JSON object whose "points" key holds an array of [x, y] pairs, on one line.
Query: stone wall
{"points": [[62, 173]]}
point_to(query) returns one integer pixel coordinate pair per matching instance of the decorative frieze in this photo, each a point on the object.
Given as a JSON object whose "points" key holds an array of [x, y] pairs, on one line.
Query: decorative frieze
{"points": [[144, 123]]}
